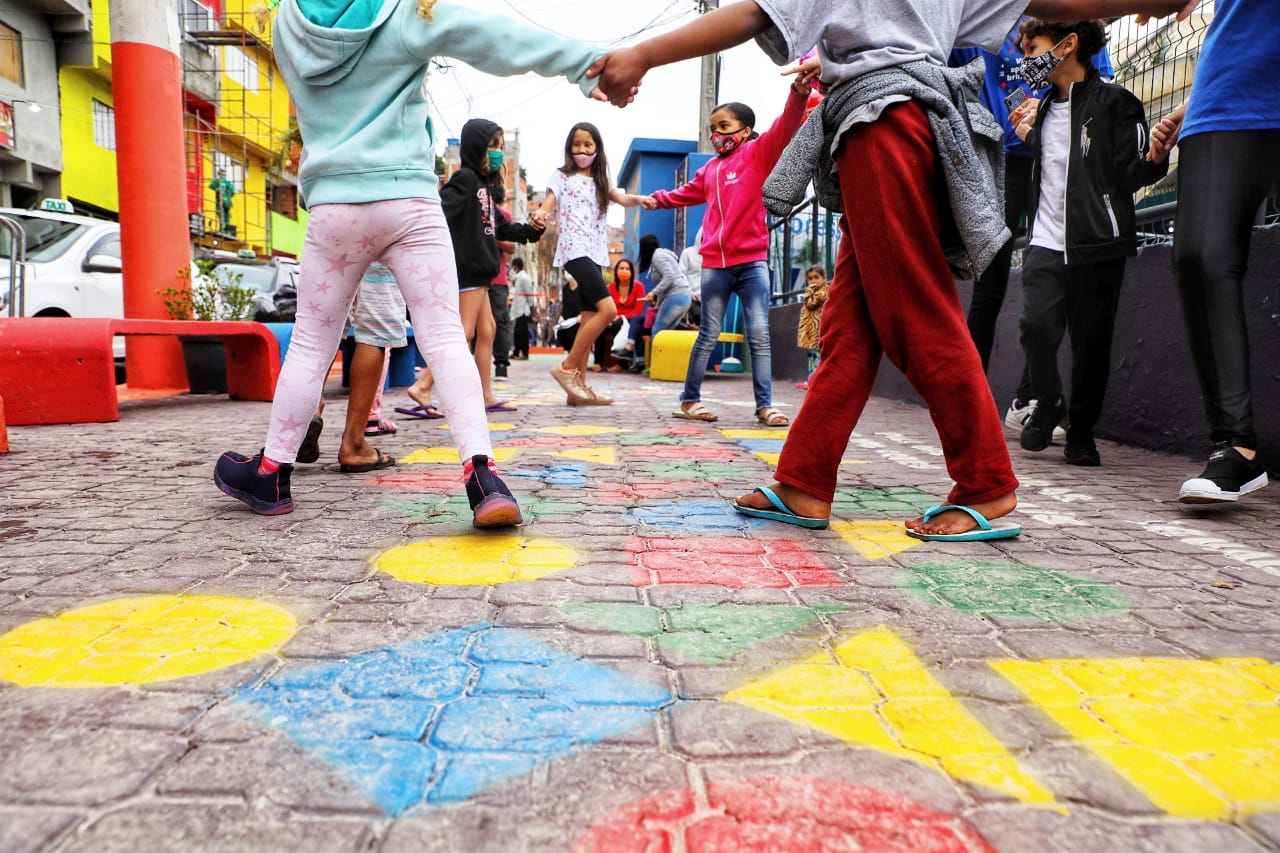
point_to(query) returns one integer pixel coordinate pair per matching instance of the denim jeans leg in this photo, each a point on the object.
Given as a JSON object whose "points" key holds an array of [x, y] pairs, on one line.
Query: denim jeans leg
{"points": [[752, 286], [716, 286]]}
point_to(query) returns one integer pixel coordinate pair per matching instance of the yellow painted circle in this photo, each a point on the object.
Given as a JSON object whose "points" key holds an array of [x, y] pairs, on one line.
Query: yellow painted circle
{"points": [[493, 427], [140, 640], [579, 429], [475, 561]]}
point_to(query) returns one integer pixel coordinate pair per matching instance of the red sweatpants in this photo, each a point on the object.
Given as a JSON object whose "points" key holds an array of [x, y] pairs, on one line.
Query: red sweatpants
{"points": [[893, 294]]}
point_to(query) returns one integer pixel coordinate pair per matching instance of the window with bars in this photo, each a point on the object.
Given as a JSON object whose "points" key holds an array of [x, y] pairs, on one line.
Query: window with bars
{"points": [[240, 67], [196, 17], [104, 126], [11, 55]]}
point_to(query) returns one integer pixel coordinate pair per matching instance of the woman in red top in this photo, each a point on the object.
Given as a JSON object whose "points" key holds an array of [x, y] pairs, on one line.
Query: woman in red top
{"points": [[628, 298]]}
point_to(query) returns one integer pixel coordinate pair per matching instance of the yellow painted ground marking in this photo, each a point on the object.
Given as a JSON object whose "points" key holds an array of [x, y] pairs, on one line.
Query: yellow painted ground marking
{"points": [[580, 429], [767, 458], [855, 461], [878, 694], [140, 640], [493, 427], [598, 455], [875, 540], [1201, 738], [449, 455], [475, 560], [754, 433]]}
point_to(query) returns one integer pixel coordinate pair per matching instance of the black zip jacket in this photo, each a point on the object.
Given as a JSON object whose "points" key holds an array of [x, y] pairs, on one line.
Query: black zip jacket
{"points": [[468, 205], [1106, 165]]}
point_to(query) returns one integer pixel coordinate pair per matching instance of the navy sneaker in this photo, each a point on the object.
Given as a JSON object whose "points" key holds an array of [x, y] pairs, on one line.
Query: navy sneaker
{"points": [[492, 504], [265, 494], [1228, 477]]}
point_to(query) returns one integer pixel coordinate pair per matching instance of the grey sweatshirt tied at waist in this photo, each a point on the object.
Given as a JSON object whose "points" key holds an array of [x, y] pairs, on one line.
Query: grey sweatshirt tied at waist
{"points": [[969, 142]]}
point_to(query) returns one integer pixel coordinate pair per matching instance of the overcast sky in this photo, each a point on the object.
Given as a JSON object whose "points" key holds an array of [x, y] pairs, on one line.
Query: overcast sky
{"points": [[543, 109]]}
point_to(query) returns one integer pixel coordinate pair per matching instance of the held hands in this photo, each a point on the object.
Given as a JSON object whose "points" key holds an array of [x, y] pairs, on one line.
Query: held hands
{"points": [[619, 74], [648, 202], [538, 219], [1165, 134], [807, 74], [1023, 117]]}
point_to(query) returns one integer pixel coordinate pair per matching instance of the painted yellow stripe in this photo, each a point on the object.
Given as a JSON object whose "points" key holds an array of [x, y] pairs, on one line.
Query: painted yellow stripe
{"points": [[595, 455], [875, 540], [475, 560], [878, 694], [1200, 738], [449, 455]]}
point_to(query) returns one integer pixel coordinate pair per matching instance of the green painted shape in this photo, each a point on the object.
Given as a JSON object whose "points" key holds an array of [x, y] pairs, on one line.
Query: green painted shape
{"points": [[456, 508], [869, 503], [1013, 590], [703, 633], [648, 438], [691, 469]]}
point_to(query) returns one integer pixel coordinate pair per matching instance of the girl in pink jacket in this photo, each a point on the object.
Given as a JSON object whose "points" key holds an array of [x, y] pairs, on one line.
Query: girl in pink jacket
{"points": [[735, 242]]}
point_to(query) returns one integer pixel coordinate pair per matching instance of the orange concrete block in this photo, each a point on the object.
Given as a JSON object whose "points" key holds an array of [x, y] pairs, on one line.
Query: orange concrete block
{"points": [[4, 433]]}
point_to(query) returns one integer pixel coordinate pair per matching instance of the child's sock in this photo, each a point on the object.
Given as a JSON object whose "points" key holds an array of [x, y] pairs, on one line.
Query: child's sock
{"points": [[468, 467], [267, 466]]}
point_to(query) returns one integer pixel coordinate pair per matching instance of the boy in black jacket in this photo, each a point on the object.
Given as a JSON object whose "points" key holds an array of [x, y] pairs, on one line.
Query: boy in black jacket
{"points": [[1090, 142], [469, 202]]}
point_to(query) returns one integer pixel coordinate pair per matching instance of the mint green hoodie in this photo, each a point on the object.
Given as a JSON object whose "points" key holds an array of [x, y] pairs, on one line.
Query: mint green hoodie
{"points": [[355, 69]]}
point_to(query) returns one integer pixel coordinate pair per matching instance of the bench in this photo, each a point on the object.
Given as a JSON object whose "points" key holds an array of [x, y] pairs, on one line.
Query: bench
{"points": [[671, 350], [59, 370]]}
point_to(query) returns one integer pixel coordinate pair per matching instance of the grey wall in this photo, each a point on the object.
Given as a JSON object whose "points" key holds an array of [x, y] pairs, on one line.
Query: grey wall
{"points": [[1153, 399]]}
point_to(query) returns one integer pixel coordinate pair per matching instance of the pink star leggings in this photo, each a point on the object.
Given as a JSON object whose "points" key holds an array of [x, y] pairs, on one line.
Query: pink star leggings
{"points": [[411, 237]]}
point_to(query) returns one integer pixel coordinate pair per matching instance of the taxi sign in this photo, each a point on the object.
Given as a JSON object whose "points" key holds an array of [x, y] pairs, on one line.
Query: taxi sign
{"points": [[57, 205]]}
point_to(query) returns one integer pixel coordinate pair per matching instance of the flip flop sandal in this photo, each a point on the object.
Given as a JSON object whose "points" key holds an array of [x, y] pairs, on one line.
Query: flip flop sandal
{"points": [[984, 531], [384, 460], [427, 412], [501, 406], [772, 417], [696, 412], [379, 427], [781, 512], [310, 449]]}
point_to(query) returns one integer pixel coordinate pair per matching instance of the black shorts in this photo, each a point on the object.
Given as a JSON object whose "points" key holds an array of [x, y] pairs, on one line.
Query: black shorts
{"points": [[591, 286]]}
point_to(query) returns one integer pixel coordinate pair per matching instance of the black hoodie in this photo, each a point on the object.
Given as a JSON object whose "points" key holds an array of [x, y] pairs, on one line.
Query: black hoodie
{"points": [[468, 206]]}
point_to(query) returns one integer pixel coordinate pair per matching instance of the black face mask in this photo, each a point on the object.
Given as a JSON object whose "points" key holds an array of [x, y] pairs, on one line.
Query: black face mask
{"points": [[1035, 70]]}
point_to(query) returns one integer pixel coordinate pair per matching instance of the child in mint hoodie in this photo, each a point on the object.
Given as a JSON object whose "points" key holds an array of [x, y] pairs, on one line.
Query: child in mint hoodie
{"points": [[355, 70], [735, 242]]}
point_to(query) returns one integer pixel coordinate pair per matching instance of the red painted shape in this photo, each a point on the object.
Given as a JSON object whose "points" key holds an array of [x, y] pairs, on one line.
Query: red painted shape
{"points": [[539, 442], [423, 481], [56, 370], [727, 562], [628, 492], [4, 432], [791, 813], [668, 453], [146, 83], [687, 431]]}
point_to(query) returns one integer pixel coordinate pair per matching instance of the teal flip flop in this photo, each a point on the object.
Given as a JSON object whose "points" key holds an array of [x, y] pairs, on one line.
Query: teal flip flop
{"points": [[783, 513], [986, 530]]}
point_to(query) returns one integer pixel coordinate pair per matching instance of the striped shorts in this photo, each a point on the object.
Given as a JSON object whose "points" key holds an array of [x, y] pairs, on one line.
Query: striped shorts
{"points": [[379, 313]]}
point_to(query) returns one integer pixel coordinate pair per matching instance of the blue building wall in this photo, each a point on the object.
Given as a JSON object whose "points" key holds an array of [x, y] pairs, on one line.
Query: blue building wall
{"points": [[651, 165]]}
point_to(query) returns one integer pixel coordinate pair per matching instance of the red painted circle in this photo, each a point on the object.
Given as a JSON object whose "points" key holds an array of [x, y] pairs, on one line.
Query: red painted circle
{"points": [[795, 814]]}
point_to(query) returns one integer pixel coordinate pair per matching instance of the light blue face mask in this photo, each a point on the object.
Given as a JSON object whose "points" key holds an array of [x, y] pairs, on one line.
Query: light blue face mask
{"points": [[495, 159]]}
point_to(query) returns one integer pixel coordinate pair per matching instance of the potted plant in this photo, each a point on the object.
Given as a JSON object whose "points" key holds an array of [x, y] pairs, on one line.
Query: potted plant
{"points": [[207, 296]]}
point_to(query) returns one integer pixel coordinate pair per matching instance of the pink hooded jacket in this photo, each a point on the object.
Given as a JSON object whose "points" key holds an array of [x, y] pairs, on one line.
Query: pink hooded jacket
{"points": [[733, 228]]}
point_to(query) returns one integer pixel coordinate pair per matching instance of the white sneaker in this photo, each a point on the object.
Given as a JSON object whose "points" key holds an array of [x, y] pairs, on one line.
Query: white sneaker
{"points": [[1017, 416]]}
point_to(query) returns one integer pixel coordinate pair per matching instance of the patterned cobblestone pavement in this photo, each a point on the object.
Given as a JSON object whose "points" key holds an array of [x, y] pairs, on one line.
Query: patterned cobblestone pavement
{"points": [[638, 668]]}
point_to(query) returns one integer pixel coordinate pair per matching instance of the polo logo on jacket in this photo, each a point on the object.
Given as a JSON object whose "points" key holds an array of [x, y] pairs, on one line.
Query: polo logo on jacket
{"points": [[1085, 141]]}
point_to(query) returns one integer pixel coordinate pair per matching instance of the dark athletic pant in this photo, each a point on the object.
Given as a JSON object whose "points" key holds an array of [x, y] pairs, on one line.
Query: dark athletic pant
{"points": [[1223, 177], [502, 317], [1081, 298]]}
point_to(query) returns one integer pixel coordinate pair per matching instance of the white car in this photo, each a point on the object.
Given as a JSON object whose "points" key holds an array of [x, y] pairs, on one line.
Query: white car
{"points": [[72, 269]]}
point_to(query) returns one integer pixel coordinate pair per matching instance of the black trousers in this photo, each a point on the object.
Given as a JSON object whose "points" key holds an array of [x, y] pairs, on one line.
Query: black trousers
{"points": [[520, 343], [501, 316], [1083, 299], [1223, 178]]}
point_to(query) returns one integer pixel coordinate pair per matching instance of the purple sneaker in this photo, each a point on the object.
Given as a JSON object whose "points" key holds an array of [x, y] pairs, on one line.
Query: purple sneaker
{"points": [[492, 503], [265, 494]]}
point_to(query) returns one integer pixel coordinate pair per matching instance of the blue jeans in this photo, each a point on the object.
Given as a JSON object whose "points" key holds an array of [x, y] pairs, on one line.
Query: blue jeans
{"points": [[751, 283], [670, 310]]}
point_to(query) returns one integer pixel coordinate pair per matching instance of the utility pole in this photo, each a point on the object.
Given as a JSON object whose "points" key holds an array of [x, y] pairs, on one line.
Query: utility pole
{"points": [[709, 92], [151, 170]]}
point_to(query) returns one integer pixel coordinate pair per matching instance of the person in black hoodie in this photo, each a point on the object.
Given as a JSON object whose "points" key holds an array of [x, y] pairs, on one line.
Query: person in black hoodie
{"points": [[470, 206], [1090, 143]]}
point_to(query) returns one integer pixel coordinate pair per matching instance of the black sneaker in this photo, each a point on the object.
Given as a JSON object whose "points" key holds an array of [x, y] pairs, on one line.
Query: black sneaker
{"points": [[492, 504], [310, 450], [1081, 450], [500, 371], [1038, 432], [1227, 477], [265, 494]]}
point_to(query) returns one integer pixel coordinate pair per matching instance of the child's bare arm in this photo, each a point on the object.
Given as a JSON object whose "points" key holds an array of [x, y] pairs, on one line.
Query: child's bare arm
{"points": [[721, 29], [1075, 10]]}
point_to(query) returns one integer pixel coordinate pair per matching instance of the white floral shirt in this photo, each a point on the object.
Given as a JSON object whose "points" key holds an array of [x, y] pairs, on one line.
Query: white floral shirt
{"points": [[584, 228]]}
